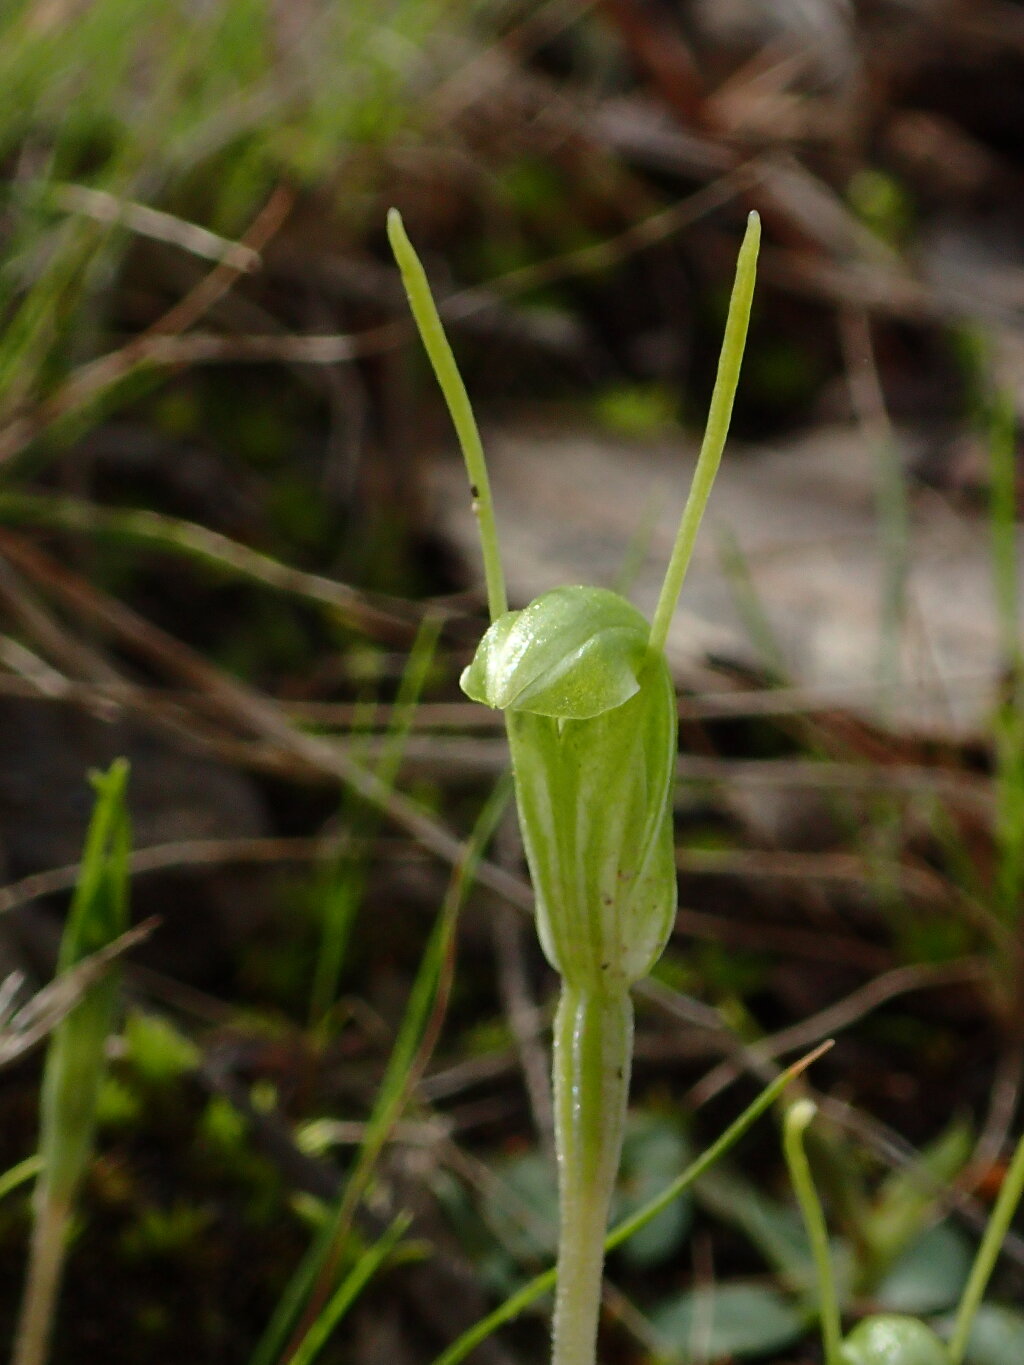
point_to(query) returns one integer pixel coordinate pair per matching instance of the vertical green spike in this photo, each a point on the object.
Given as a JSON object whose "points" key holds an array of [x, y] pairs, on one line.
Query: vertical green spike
{"points": [[75, 1060]]}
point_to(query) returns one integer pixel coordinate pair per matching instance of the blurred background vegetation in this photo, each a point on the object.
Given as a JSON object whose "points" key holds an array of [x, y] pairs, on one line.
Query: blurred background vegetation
{"points": [[220, 555]]}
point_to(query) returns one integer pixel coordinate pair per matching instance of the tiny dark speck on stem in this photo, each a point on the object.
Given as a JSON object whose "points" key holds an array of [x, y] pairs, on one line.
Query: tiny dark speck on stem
{"points": [[474, 490]]}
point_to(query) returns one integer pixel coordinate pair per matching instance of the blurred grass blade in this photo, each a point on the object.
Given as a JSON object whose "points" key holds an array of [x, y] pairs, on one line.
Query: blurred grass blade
{"points": [[1009, 719], [349, 1290], [345, 880], [76, 1058], [416, 1036], [18, 1174], [991, 1245], [222, 111]]}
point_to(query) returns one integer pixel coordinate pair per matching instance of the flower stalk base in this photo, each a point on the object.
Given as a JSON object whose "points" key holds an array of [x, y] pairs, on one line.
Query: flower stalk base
{"points": [[593, 1047]]}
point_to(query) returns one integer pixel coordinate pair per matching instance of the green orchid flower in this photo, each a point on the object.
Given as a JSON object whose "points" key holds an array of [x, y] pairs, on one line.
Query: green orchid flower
{"points": [[590, 711]]}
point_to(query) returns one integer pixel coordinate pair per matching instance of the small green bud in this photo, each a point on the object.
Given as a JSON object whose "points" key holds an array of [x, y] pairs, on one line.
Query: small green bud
{"points": [[891, 1339]]}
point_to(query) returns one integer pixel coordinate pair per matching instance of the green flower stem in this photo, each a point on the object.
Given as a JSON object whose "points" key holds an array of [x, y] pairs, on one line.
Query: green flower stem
{"points": [[798, 1116], [715, 432], [541, 1284], [435, 343], [593, 1048], [988, 1252]]}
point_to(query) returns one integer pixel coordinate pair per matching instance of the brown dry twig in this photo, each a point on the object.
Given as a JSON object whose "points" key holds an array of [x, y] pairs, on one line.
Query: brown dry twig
{"points": [[161, 227], [182, 853], [89, 381], [22, 1028], [243, 707], [392, 616], [837, 1017]]}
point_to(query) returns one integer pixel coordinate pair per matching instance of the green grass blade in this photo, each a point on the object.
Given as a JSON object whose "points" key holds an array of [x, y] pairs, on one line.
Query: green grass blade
{"points": [[199, 544], [984, 1263], [412, 1047], [18, 1174], [347, 874], [76, 1059], [349, 1290], [1009, 720]]}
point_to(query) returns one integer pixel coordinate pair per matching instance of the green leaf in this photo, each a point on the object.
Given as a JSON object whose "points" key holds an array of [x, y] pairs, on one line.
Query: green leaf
{"points": [[906, 1203], [773, 1227], [159, 1053], [930, 1274], [572, 654], [653, 1151], [522, 1207], [727, 1320], [892, 1339], [997, 1336]]}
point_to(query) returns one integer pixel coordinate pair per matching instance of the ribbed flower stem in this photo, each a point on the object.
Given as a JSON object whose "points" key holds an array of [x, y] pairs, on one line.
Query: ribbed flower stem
{"points": [[593, 1047]]}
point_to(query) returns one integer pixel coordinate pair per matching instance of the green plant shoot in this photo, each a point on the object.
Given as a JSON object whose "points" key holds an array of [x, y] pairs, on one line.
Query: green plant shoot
{"points": [[590, 711], [891, 1338], [76, 1060]]}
